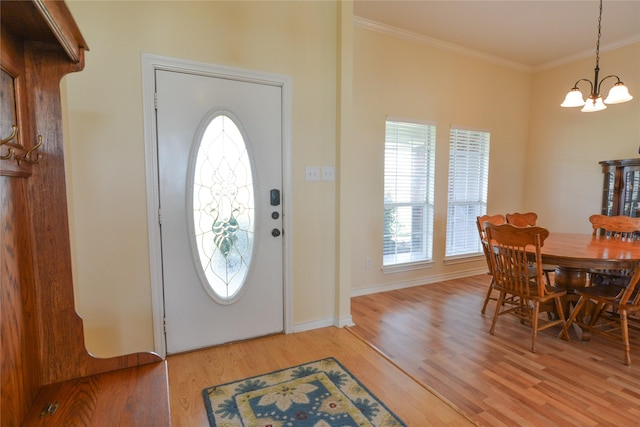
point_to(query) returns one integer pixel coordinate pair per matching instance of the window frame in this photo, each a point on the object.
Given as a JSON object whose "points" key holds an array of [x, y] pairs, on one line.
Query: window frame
{"points": [[475, 207], [414, 258]]}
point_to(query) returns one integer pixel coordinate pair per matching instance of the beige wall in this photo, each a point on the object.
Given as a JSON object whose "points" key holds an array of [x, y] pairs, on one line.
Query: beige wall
{"points": [[408, 79], [564, 179], [542, 157], [106, 147]]}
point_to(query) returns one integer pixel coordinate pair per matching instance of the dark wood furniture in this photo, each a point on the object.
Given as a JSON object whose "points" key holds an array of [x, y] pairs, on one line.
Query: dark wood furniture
{"points": [[43, 353], [621, 188]]}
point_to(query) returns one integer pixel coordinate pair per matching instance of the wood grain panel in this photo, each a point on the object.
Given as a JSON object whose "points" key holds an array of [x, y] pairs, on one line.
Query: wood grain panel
{"points": [[20, 368], [60, 332]]}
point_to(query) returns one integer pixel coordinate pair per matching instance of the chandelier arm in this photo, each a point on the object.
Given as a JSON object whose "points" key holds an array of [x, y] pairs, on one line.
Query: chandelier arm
{"points": [[575, 86], [605, 78]]}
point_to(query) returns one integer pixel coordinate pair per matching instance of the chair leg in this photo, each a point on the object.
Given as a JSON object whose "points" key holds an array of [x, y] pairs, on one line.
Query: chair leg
{"points": [[560, 310], [497, 313], [624, 324], [534, 325], [488, 297]]}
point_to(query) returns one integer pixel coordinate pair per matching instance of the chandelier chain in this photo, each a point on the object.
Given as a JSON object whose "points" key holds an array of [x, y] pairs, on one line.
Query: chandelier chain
{"points": [[598, 42]]}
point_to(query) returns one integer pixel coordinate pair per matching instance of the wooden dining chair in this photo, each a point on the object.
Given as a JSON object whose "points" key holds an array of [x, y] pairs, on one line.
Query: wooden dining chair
{"points": [[514, 275], [480, 221], [529, 219], [522, 219], [610, 317], [613, 227]]}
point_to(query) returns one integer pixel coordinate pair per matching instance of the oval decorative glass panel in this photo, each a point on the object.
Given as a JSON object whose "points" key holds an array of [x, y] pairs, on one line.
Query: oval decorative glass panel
{"points": [[223, 208]]}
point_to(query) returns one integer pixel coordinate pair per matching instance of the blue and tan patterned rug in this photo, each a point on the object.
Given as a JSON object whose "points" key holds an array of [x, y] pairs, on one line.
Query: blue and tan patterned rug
{"points": [[318, 394]]}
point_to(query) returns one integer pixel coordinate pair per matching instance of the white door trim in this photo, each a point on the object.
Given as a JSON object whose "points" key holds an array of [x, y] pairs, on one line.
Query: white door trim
{"points": [[151, 63]]}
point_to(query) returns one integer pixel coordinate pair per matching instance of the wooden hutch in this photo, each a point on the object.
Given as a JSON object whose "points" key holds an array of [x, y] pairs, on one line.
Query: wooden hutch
{"points": [[47, 376], [621, 188]]}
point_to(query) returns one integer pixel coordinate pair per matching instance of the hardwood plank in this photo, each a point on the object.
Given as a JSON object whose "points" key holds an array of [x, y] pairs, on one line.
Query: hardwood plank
{"points": [[437, 334], [137, 396], [190, 373]]}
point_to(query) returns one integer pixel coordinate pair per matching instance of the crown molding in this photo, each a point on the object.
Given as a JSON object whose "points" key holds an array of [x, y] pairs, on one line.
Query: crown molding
{"points": [[587, 54], [461, 50], [439, 44]]}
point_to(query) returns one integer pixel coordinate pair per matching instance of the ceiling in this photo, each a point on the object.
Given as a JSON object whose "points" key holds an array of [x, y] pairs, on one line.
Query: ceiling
{"points": [[534, 34]]}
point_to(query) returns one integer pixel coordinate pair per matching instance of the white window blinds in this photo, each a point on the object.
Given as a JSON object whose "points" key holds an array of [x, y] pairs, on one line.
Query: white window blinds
{"points": [[468, 182], [409, 164]]}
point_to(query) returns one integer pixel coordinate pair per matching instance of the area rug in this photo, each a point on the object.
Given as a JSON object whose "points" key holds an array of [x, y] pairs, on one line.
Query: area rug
{"points": [[316, 394]]}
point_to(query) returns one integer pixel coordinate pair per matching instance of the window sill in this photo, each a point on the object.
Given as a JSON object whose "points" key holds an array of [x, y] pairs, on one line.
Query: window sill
{"points": [[407, 266], [462, 259]]}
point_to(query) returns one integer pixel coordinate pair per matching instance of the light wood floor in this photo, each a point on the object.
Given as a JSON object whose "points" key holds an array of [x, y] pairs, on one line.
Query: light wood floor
{"points": [[190, 373], [438, 335]]}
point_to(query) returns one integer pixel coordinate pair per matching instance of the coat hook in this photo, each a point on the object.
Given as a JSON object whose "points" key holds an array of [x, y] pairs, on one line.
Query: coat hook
{"points": [[14, 132], [27, 156]]}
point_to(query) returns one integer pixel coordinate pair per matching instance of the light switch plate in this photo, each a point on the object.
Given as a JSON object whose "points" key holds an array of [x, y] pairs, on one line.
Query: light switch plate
{"points": [[313, 173], [328, 173]]}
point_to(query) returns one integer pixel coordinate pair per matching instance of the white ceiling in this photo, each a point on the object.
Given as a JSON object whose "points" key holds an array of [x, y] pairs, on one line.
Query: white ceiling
{"points": [[534, 34]]}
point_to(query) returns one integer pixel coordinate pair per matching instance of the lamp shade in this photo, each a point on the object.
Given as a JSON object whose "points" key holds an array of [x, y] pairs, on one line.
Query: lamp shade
{"points": [[618, 94], [593, 104], [573, 99]]}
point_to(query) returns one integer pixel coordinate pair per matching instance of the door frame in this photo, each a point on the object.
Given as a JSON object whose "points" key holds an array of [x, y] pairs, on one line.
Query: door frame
{"points": [[151, 63]]}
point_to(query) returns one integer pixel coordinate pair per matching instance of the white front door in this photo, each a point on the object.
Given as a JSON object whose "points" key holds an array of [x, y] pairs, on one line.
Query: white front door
{"points": [[220, 182]]}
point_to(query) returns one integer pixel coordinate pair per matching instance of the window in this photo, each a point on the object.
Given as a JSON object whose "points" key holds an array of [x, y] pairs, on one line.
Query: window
{"points": [[223, 209], [409, 164], [468, 182]]}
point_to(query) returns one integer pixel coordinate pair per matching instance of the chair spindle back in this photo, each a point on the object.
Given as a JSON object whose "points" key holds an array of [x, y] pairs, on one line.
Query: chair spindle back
{"points": [[511, 266], [617, 227]]}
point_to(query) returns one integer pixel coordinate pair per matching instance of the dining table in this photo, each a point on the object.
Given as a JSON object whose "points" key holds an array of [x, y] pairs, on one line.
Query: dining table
{"points": [[575, 254]]}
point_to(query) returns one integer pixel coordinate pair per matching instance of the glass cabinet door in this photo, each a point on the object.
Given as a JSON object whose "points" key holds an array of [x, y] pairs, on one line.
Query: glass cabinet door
{"points": [[621, 187], [608, 190], [630, 191]]}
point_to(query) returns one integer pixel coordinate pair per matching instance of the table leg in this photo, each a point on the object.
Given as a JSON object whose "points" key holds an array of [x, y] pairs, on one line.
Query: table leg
{"points": [[570, 279]]}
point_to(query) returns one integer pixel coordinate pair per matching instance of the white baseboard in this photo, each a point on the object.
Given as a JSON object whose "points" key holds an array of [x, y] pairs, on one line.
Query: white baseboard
{"points": [[348, 320], [345, 321], [316, 324], [418, 282]]}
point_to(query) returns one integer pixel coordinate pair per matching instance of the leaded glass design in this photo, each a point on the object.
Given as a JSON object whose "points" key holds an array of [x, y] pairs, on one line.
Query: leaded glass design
{"points": [[223, 207]]}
